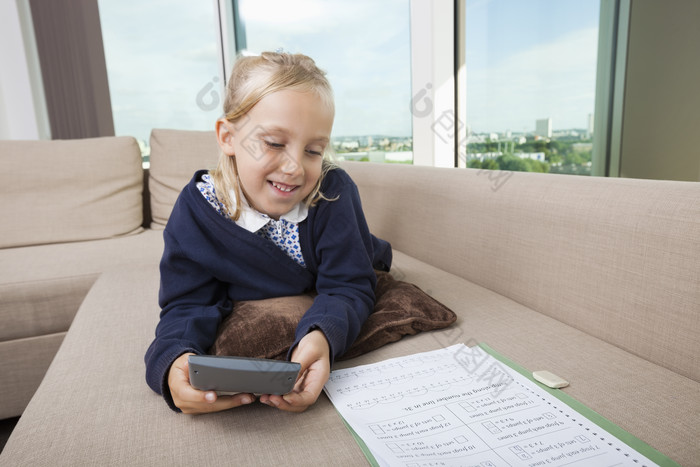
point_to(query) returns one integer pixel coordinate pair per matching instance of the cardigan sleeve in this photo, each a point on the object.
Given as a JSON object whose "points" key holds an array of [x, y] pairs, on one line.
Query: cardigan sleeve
{"points": [[344, 256], [193, 303]]}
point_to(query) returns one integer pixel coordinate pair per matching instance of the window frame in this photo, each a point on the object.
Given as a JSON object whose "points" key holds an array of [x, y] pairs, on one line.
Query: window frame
{"points": [[613, 37], [433, 84], [438, 79]]}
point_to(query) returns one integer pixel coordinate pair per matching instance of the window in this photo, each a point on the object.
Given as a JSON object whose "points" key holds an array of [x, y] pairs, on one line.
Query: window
{"points": [[509, 84], [162, 64], [530, 85], [364, 46]]}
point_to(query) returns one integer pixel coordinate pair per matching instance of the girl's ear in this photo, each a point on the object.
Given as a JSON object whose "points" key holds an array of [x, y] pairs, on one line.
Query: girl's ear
{"points": [[224, 136]]}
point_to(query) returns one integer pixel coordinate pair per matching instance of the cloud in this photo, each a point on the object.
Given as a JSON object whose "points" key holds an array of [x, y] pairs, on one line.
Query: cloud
{"points": [[364, 46], [555, 79], [311, 17], [161, 54], [207, 53]]}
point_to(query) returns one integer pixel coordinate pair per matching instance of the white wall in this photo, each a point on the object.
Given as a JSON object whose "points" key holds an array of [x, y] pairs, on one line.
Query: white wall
{"points": [[22, 108]]}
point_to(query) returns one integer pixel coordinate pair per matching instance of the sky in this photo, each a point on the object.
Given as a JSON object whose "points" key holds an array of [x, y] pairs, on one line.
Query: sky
{"points": [[363, 45], [526, 59], [160, 55]]}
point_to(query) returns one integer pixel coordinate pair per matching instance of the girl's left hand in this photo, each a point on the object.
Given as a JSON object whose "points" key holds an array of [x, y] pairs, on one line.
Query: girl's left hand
{"points": [[313, 353]]}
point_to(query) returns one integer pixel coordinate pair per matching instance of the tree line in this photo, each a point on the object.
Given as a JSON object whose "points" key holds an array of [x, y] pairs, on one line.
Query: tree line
{"points": [[565, 155]]}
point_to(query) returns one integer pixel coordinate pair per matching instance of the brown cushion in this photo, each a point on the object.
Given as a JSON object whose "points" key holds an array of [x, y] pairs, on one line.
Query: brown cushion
{"points": [[265, 328]]}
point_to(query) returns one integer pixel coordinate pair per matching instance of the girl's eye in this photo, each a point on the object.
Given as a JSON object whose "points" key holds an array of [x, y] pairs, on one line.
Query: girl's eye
{"points": [[314, 153], [272, 145]]}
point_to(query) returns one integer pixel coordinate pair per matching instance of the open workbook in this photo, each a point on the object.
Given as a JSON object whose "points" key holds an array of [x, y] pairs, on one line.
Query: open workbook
{"points": [[469, 406]]}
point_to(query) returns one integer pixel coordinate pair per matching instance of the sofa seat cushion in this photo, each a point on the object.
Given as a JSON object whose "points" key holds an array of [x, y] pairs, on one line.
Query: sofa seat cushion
{"points": [[116, 418], [42, 286], [68, 191], [23, 364]]}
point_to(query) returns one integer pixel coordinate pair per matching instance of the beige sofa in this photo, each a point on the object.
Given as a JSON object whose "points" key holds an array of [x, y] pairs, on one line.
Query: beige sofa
{"points": [[595, 279], [70, 210]]}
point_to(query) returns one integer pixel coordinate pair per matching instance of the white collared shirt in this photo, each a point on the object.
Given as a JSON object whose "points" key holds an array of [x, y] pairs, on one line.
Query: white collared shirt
{"points": [[252, 220], [283, 232]]}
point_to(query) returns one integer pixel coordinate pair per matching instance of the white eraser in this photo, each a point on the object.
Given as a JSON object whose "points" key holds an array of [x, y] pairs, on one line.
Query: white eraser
{"points": [[550, 379]]}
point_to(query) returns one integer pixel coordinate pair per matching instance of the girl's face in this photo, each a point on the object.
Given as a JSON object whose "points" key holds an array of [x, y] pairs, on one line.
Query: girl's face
{"points": [[279, 147]]}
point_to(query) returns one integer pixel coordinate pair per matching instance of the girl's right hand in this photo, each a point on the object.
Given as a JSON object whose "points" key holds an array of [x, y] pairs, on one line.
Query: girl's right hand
{"points": [[194, 401]]}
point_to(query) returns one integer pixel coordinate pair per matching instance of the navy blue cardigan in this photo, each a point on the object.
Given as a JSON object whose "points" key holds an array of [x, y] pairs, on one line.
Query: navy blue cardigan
{"points": [[209, 262]]}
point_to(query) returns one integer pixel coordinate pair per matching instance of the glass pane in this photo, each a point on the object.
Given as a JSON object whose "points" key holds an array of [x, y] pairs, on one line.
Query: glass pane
{"points": [[531, 70], [162, 65], [364, 46]]}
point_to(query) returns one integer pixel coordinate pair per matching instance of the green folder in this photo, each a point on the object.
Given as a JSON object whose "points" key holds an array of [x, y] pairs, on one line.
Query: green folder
{"points": [[629, 439]]}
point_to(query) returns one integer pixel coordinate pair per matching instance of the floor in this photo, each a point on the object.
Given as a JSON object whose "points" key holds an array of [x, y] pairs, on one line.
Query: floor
{"points": [[6, 427]]}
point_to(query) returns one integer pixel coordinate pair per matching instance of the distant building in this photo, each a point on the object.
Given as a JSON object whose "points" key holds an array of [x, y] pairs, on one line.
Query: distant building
{"points": [[543, 127], [475, 138], [484, 155], [582, 147], [354, 156], [536, 156], [589, 133]]}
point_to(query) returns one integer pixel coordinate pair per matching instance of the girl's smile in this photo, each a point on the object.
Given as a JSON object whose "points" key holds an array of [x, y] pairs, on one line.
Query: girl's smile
{"points": [[283, 187], [279, 149]]}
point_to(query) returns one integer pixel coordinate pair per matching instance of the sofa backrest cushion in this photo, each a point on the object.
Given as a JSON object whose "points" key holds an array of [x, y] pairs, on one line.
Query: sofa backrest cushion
{"points": [[616, 258], [175, 156], [69, 190]]}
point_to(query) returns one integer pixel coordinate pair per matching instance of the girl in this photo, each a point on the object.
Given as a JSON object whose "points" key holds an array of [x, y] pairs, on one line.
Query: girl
{"points": [[274, 219]]}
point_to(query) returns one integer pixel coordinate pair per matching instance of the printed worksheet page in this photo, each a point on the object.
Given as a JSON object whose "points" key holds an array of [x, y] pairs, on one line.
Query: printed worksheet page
{"points": [[460, 406]]}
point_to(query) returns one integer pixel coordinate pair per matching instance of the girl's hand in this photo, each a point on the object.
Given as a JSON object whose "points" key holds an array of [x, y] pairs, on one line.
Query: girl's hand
{"points": [[313, 353], [194, 401]]}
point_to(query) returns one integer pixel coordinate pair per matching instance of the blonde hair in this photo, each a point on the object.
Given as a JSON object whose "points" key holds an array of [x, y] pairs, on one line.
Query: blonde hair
{"points": [[252, 78]]}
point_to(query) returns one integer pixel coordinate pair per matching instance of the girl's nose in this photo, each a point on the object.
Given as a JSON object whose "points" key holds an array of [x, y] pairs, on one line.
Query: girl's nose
{"points": [[290, 165]]}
